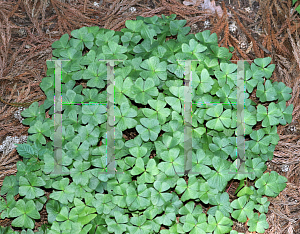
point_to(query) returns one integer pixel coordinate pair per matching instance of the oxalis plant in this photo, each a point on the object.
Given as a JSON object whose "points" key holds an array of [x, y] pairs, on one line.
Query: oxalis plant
{"points": [[152, 192]]}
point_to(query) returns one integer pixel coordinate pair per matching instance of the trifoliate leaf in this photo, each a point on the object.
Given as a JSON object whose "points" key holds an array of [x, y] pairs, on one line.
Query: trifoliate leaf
{"points": [[270, 184], [242, 210], [25, 213], [258, 224]]}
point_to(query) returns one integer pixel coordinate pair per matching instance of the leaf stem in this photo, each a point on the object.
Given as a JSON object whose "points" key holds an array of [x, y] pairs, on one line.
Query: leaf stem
{"points": [[229, 187]]}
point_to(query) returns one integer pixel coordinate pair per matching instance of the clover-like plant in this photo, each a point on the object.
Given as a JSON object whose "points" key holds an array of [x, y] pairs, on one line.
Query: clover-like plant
{"points": [[152, 191]]}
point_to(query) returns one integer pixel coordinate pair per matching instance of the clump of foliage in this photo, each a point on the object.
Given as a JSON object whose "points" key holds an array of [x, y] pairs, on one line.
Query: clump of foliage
{"points": [[149, 100]]}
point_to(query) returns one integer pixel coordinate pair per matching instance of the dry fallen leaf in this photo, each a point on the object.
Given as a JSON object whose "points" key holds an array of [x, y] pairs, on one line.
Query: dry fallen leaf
{"points": [[212, 6], [207, 4], [192, 2]]}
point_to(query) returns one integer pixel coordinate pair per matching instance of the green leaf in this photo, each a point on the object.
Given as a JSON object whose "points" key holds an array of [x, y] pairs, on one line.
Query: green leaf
{"points": [[270, 184], [283, 92], [148, 175], [221, 202], [221, 52], [66, 194], [123, 117], [193, 47], [206, 192], [287, 112], [243, 209], [149, 129], [173, 162], [219, 223], [160, 112], [176, 27], [226, 76], [104, 36], [190, 223], [114, 51], [95, 74], [206, 82], [260, 142], [257, 166], [201, 162], [10, 186], [71, 53], [215, 111], [144, 90], [190, 208], [241, 185], [154, 69], [103, 203], [93, 114], [298, 9], [263, 62], [138, 198], [75, 151], [24, 213], [134, 25], [267, 92], [61, 43], [206, 38], [177, 67], [53, 208], [3, 205], [83, 35], [167, 218], [139, 167], [263, 208], [28, 186], [258, 224], [174, 103], [158, 197], [190, 190], [89, 133], [80, 174], [245, 191], [122, 88], [221, 121], [119, 224], [218, 179]]}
